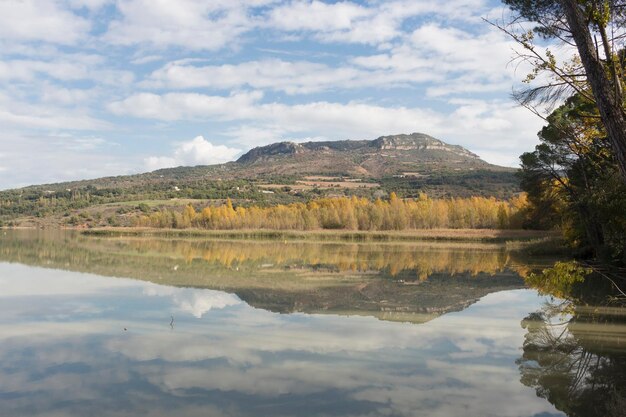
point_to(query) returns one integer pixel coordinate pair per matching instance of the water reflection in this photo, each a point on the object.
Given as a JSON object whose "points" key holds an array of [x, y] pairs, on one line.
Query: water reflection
{"points": [[401, 282], [66, 355], [575, 347], [411, 261], [76, 342], [193, 301], [578, 362]]}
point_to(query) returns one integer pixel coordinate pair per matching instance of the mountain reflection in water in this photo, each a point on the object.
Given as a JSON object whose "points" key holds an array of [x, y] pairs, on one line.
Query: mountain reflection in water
{"points": [[75, 342], [64, 351], [402, 282]]}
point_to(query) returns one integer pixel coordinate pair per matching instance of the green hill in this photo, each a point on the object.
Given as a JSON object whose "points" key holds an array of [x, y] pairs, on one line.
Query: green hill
{"points": [[278, 173]]}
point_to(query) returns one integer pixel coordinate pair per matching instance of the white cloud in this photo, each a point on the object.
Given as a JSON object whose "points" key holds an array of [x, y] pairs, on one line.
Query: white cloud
{"points": [[15, 113], [50, 119], [497, 130], [496, 126], [89, 4], [191, 24], [80, 143], [186, 106], [65, 96], [29, 70], [201, 25], [317, 16], [196, 302], [465, 61], [251, 135], [146, 59], [348, 120], [338, 118], [445, 61], [41, 20], [392, 66], [42, 158], [375, 23], [197, 151], [298, 77], [65, 67]]}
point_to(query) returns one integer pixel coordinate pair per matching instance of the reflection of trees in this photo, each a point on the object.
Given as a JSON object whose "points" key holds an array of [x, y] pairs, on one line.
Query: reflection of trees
{"points": [[423, 259], [414, 261], [371, 279], [576, 359]]}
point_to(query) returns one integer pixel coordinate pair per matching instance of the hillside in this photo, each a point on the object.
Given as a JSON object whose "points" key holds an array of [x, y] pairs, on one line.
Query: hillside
{"points": [[409, 155], [278, 173]]}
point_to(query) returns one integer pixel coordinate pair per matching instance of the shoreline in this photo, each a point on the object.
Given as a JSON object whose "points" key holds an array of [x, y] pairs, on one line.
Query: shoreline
{"points": [[471, 235]]}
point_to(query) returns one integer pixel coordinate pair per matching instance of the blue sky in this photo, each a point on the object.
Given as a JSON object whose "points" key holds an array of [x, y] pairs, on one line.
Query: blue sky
{"points": [[106, 87]]}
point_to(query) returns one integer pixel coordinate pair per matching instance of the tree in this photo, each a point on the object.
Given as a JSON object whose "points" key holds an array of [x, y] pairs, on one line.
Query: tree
{"points": [[579, 23], [607, 91], [571, 182], [348, 214]]}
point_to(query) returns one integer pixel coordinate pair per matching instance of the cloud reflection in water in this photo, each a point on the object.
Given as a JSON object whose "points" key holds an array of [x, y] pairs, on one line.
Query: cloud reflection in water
{"points": [[225, 358]]}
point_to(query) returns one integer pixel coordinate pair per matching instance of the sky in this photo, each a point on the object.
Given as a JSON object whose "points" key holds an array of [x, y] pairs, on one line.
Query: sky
{"points": [[90, 88]]}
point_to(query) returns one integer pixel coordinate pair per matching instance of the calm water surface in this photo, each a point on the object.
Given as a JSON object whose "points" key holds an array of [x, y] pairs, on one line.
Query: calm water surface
{"points": [[158, 327]]}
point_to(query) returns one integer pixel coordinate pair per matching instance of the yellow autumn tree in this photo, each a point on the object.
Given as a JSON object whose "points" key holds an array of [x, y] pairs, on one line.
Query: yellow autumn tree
{"points": [[350, 214]]}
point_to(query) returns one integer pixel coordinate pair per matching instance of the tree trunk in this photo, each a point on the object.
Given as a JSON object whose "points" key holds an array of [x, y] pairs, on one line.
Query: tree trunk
{"points": [[611, 111], [593, 229]]}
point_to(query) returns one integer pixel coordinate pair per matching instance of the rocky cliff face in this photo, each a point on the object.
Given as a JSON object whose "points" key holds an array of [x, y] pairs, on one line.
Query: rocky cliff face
{"points": [[417, 145], [420, 142]]}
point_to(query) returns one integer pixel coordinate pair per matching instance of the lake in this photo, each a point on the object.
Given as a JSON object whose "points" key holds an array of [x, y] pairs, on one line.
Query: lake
{"points": [[125, 326]]}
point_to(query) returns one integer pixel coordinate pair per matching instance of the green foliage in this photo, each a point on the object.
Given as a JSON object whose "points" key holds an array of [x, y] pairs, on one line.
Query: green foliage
{"points": [[143, 207], [559, 280], [573, 183], [548, 13], [537, 11], [595, 29], [60, 198], [440, 184]]}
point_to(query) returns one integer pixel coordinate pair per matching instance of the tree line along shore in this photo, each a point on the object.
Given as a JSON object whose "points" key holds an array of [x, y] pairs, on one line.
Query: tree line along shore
{"points": [[342, 213]]}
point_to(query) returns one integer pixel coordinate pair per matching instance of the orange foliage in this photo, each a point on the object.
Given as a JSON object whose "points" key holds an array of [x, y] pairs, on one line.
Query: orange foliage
{"points": [[351, 214]]}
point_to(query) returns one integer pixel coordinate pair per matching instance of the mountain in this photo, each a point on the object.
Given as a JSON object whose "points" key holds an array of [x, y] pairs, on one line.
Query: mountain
{"points": [[282, 172], [416, 154]]}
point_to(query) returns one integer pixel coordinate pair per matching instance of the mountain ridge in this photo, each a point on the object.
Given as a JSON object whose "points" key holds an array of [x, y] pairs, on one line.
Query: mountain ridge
{"points": [[420, 142], [282, 173]]}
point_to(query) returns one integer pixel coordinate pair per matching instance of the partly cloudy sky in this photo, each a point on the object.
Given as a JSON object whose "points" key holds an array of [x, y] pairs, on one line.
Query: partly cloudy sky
{"points": [[106, 87]]}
